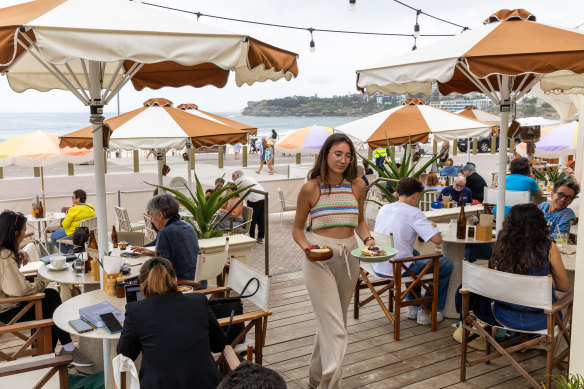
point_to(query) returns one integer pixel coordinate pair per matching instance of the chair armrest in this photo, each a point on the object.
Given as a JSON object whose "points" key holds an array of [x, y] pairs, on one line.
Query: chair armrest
{"points": [[30, 297], [230, 357], [224, 321], [419, 258], [63, 360], [219, 289], [26, 325], [194, 284], [561, 303]]}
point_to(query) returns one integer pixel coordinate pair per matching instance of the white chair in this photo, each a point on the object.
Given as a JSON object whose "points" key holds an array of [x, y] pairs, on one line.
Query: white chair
{"points": [[530, 291], [428, 198], [512, 197], [393, 285], [124, 223], [178, 183], [211, 266], [286, 205], [150, 233], [31, 269]]}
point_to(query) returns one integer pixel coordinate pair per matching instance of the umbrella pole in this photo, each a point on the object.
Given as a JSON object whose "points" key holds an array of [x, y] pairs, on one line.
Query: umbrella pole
{"points": [[189, 165], [504, 130], [580, 141], [43, 186], [160, 163]]}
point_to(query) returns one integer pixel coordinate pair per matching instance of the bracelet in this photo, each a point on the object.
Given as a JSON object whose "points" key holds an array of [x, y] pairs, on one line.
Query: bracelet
{"points": [[366, 239]]}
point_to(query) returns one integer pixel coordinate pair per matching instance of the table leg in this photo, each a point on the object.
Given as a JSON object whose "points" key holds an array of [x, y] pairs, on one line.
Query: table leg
{"points": [[107, 347], [454, 251]]}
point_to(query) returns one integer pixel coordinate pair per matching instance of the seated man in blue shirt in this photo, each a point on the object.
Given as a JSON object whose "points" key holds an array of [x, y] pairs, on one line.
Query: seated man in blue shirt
{"points": [[456, 190], [556, 212], [176, 240]]}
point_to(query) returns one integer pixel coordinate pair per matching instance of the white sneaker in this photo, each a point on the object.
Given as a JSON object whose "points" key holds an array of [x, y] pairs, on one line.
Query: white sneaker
{"points": [[424, 319], [413, 312]]}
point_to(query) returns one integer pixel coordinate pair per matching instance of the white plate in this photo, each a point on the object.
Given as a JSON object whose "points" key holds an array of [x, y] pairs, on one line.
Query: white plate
{"points": [[50, 267]]}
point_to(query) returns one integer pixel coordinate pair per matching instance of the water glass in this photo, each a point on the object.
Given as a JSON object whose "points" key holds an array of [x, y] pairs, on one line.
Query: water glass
{"points": [[452, 226], [79, 267], [561, 239]]}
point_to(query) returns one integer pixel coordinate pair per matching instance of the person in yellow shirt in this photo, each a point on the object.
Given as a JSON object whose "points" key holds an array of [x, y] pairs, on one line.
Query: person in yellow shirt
{"points": [[76, 214]]}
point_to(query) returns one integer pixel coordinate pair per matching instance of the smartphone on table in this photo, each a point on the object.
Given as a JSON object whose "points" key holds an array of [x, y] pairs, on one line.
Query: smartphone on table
{"points": [[111, 323], [80, 326]]}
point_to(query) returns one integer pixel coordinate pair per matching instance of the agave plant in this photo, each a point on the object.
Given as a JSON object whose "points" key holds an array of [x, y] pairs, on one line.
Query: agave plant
{"points": [[554, 175], [408, 168], [539, 176], [570, 381], [203, 210]]}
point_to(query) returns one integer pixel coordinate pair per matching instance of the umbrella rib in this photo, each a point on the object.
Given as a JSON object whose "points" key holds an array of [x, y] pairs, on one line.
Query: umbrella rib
{"points": [[519, 88], [85, 73], [107, 90], [528, 87], [74, 77], [127, 77], [477, 83], [49, 66]]}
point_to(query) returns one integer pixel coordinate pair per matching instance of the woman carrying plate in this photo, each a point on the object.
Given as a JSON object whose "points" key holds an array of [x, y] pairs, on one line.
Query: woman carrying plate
{"points": [[334, 197]]}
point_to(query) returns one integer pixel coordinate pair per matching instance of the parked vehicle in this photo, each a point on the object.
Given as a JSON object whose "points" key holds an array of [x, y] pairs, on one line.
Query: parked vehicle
{"points": [[483, 144]]}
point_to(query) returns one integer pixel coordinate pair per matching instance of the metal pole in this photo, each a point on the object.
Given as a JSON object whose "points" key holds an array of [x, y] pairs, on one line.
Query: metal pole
{"points": [[244, 156], [136, 155], [189, 181], [160, 162], [266, 236], [505, 107]]}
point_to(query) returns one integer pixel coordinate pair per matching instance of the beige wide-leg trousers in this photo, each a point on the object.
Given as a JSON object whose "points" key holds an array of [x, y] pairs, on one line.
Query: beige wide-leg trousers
{"points": [[330, 285]]}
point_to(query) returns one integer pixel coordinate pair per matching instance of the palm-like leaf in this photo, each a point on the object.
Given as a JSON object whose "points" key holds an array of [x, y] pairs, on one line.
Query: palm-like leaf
{"points": [[203, 210]]}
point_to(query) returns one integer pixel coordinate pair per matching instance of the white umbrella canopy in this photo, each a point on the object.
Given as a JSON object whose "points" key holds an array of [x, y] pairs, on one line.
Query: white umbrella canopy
{"points": [[93, 48], [413, 122], [502, 59], [472, 112]]}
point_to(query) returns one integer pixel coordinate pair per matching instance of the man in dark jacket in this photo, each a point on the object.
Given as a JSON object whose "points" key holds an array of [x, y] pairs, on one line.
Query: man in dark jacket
{"points": [[176, 240], [474, 181]]}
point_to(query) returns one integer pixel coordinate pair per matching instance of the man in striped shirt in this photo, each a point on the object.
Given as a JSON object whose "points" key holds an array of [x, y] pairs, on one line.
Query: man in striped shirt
{"points": [[556, 212]]}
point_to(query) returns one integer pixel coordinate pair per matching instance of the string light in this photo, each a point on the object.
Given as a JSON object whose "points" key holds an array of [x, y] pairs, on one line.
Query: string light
{"points": [[352, 5], [312, 45], [417, 26]]}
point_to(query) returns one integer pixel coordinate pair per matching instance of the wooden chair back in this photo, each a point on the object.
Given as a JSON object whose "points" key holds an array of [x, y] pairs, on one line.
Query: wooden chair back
{"points": [[39, 342], [512, 197], [134, 238], [530, 291], [36, 372]]}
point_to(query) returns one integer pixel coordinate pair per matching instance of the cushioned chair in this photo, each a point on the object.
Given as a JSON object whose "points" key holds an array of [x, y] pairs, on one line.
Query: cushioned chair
{"points": [[243, 228], [150, 233], [90, 223], [124, 223], [530, 291], [398, 286]]}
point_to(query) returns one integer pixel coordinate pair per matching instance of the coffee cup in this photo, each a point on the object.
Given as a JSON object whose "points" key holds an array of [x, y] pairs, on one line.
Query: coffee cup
{"points": [[58, 261]]}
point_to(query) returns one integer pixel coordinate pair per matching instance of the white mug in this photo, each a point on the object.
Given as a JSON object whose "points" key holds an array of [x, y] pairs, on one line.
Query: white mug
{"points": [[58, 261]]}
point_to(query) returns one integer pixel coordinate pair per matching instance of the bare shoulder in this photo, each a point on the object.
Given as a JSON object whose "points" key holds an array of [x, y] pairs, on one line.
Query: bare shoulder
{"points": [[310, 186], [358, 183]]}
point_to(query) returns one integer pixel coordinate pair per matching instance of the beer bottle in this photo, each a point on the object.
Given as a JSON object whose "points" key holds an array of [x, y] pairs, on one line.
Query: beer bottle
{"points": [[41, 210], [461, 223], [114, 237]]}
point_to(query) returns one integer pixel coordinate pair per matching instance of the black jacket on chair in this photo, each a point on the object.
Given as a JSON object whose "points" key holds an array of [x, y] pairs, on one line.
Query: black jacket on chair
{"points": [[176, 333]]}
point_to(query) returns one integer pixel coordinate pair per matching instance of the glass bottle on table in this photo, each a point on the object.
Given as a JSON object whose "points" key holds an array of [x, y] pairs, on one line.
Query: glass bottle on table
{"points": [[461, 222], [114, 237]]}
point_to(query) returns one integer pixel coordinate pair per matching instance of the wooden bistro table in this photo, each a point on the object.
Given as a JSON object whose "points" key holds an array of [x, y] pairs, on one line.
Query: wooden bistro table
{"points": [[443, 215], [454, 249], [239, 246]]}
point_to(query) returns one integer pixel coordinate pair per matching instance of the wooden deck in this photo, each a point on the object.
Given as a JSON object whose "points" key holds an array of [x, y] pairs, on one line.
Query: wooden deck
{"points": [[420, 359]]}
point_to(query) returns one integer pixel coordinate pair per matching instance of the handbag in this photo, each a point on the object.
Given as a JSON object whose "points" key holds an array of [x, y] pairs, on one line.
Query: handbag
{"points": [[232, 306]]}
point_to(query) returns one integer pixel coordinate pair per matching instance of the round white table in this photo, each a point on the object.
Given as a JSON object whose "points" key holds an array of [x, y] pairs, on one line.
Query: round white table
{"points": [[43, 223], [67, 276], [69, 310], [454, 249]]}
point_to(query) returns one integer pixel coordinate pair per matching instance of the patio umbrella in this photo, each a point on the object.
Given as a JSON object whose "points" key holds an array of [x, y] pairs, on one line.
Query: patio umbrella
{"points": [[412, 121], [305, 139], [141, 129], [470, 111], [194, 109], [555, 141], [94, 48], [503, 59], [39, 149]]}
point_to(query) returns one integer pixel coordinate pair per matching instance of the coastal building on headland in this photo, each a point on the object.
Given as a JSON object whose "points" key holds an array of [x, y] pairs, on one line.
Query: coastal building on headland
{"points": [[458, 105]]}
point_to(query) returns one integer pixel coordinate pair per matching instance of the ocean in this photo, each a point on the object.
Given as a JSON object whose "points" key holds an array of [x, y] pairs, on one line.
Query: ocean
{"points": [[14, 124]]}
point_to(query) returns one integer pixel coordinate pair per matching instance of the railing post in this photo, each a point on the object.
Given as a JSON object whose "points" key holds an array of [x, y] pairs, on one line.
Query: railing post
{"points": [[220, 156], [369, 153], [493, 145], [37, 171], [244, 156], [475, 143], [266, 236], [1, 173], [511, 145], [136, 161], [70, 169], [298, 156], [192, 151], [104, 161], [455, 147]]}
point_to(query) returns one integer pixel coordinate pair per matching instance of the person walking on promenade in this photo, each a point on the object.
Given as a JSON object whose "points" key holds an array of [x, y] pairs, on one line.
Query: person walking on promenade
{"points": [[334, 198], [263, 151], [255, 201], [270, 157]]}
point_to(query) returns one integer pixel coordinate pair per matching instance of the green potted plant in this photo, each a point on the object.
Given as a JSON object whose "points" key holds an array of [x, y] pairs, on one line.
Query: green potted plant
{"points": [[408, 168], [203, 209], [569, 381]]}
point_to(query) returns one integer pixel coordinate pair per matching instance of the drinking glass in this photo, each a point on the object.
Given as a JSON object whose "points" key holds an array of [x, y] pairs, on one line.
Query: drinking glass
{"points": [[78, 267], [452, 226], [561, 239]]}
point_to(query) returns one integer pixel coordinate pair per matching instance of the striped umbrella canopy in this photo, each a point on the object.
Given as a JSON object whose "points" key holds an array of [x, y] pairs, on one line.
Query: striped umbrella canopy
{"points": [[555, 141], [305, 139], [470, 111], [38, 149], [194, 109]]}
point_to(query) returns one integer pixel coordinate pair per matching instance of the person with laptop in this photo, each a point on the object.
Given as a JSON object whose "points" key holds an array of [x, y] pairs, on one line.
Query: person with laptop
{"points": [[174, 332]]}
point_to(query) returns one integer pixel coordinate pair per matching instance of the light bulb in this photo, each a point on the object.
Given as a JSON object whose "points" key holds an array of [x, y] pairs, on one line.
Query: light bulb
{"points": [[417, 31], [312, 46], [352, 5]]}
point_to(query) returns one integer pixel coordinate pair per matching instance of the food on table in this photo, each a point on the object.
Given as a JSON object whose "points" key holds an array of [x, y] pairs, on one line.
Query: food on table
{"points": [[372, 251], [185, 288]]}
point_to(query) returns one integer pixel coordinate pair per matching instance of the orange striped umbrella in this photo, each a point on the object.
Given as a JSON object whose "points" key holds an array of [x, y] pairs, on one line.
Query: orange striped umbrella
{"points": [[307, 138]]}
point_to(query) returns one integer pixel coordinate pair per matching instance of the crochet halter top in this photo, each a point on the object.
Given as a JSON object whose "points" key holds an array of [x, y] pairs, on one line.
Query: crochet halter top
{"points": [[336, 206]]}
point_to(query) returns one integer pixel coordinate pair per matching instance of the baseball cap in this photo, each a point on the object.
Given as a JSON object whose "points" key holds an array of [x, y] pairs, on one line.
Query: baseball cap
{"points": [[469, 166]]}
